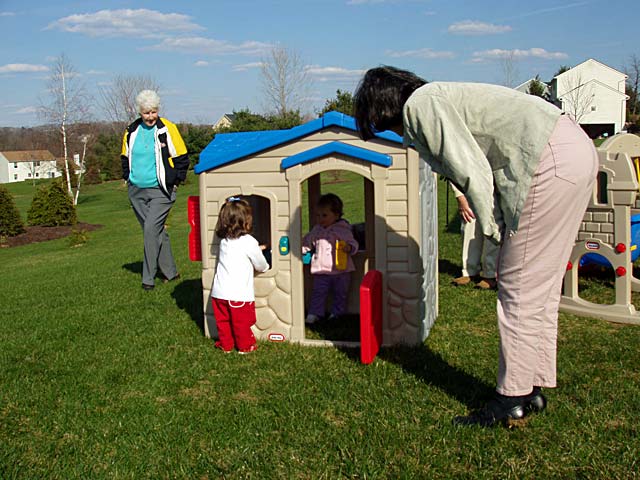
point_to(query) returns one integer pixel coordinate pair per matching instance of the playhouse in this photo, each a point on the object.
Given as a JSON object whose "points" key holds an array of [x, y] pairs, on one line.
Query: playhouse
{"points": [[273, 170], [610, 233]]}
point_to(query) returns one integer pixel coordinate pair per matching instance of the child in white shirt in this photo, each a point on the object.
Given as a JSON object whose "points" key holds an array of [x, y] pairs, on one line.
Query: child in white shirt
{"points": [[232, 294]]}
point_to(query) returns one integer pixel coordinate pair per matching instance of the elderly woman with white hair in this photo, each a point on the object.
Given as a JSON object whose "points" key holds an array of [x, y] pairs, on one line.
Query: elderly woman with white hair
{"points": [[154, 161]]}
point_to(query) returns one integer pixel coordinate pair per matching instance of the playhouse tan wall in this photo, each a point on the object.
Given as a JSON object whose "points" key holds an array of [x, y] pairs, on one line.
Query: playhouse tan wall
{"points": [[280, 291]]}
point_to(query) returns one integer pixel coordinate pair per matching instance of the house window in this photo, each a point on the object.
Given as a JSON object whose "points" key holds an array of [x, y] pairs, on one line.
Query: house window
{"points": [[602, 197], [593, 108], [29, 175], [37, 164], [15, 177], [37, 175], [15, 165]]}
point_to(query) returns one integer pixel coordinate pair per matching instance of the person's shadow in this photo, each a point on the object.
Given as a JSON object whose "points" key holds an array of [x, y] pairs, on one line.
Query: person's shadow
{"points": [[188, 297], [432, 369]]}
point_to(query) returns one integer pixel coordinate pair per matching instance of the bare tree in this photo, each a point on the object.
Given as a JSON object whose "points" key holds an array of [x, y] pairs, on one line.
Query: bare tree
{"points": [[81, 166], [119, 98], [508, 63], [285, 80], [578, 98], [633, 83], [68, 104]]}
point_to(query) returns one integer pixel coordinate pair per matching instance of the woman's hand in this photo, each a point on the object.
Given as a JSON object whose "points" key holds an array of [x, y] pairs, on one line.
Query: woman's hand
{"points": [[465, 210]]}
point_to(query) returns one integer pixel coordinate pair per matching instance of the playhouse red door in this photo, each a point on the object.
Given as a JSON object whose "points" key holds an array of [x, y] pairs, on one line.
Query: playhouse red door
{"points": [[370, 316]]}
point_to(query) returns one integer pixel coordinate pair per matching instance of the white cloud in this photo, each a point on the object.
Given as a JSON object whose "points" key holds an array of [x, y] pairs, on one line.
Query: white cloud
{"points": [[325, 74], [471, 27], [126, 23], [247, 66], [27, 110], [22, 68], [210, 46], [427, 53], [517, 54], [7, 14], [96, 72], [201, 63]]}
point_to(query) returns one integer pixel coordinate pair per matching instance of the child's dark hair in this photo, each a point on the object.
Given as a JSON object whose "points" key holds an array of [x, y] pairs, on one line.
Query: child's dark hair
{"points": [[332, 202], [380, 96], [235, 218]]}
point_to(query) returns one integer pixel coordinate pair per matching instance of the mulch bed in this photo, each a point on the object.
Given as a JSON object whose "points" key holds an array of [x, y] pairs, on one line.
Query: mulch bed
{"points": [[42, 234]]}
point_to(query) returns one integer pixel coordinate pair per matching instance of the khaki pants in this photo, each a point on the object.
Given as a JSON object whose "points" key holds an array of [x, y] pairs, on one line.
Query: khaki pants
{"points": [[532, 262], [479, 254]]}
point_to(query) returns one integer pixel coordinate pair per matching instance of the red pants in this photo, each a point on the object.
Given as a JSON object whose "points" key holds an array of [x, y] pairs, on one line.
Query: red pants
{"points": [[234, 321]]}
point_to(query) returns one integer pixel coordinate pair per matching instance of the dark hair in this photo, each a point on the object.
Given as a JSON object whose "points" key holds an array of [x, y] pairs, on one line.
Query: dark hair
{"points": [[332, 202], [380, 96], [235, 218]]}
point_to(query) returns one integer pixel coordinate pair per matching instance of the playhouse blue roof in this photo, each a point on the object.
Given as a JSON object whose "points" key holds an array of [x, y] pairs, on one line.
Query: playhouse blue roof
{"points": [[228, 147]]}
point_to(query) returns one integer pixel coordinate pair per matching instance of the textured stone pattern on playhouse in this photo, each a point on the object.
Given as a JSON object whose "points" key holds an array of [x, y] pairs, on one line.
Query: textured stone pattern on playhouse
{"points": [[397, 232], [597, 223]]}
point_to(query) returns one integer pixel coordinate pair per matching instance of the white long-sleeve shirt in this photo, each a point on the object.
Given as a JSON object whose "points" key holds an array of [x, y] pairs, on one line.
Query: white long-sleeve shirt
{"points": [[237, 260]]}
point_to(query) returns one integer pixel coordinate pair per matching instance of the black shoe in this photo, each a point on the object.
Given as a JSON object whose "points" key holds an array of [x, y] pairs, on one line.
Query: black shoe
{"points": [[536, 402], [507, 413], [147, 287]]}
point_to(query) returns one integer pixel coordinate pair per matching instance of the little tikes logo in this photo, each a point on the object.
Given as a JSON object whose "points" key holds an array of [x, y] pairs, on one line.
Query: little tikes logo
{"points": [[276, 337], [591, 245]]}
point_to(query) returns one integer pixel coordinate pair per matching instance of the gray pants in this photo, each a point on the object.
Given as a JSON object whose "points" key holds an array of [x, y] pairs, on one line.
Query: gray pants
{"points": [[152, 208]]}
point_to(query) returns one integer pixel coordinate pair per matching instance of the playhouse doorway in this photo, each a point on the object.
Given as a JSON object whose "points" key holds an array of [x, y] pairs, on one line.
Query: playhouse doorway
{"points": [[356, 193]]}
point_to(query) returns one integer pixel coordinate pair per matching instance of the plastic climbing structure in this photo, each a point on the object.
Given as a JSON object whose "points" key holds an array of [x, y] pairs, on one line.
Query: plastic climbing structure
{"points": [[608, 233]]}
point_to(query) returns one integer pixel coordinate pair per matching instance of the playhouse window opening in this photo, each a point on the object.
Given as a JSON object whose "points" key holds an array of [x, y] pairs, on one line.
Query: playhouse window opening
{"points": [[261, 207], [595, 279], [602, 196]]}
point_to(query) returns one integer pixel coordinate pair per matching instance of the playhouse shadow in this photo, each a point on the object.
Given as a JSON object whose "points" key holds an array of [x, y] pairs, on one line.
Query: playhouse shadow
{"points": [[188, 297], [432, 369]]}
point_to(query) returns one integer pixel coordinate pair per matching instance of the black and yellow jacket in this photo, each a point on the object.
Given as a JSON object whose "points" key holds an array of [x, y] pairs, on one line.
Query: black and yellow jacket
{"points": [[172, 160]]}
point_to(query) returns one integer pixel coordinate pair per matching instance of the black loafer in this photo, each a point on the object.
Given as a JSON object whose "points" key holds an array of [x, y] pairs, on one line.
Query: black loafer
{"points": [[536, 403], [147, 287], [494, 413]]}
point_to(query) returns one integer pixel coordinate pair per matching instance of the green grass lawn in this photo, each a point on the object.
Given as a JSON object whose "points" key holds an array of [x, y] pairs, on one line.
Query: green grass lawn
{"points": [[100, 379]]}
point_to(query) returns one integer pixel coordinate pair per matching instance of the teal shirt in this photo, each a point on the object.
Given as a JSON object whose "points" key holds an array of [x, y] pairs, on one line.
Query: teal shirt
{"points": [[143, 158]]}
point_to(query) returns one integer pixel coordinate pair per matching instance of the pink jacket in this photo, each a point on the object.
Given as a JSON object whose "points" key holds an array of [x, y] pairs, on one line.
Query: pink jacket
{"points": [[323, 241]]}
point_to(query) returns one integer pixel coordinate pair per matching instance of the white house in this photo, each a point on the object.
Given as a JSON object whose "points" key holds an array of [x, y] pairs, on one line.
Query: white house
{"points": [[18, 166], [594, 95], [225, 121]]}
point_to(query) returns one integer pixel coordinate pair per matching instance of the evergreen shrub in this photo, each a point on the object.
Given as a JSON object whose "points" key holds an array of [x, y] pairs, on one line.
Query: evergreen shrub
{"points": [[52, 206], [10, 222]]}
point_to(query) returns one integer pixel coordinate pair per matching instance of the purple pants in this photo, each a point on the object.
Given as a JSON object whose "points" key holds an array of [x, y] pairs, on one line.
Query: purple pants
{"points": [[322, 285]]}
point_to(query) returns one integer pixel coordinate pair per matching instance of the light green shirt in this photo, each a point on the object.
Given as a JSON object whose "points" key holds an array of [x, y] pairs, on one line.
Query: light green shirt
{"points": [[481, 135]]}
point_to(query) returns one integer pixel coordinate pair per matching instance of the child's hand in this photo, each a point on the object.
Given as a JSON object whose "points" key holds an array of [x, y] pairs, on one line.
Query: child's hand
{"points": [[264, 247]]}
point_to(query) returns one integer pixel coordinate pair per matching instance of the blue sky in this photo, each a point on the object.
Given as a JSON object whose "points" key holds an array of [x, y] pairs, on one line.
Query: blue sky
{"points": [[205, 54]]}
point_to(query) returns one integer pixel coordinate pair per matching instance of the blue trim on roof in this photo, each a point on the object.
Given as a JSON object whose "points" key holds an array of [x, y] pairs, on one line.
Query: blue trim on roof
{"points": [[228, 147], [337, 147]]}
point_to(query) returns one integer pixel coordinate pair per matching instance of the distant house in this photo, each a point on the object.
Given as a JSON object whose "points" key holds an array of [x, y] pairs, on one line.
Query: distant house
{"points": [[225, 121], [17, 166], [594, 95], [526, 86]]}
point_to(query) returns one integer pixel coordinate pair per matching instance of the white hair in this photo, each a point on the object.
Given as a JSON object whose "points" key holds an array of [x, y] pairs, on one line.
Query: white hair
{"points": [[147, 100]]}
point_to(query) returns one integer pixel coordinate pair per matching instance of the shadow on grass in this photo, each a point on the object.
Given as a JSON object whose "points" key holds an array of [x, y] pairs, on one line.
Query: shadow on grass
{"points": [[188, 297], [432, 369], [135, 267], [450, 268]]}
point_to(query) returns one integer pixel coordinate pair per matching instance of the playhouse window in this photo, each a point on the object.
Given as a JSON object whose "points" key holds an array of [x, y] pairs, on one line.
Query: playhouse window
{"points": [[261, 207], [601, 194]]}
